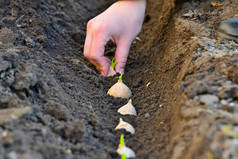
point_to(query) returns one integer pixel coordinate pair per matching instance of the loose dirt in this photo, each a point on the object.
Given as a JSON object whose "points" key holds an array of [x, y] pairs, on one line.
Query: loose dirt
{"points": [[65, 112]]}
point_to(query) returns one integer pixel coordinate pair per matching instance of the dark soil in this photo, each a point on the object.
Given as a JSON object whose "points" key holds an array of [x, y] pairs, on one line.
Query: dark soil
{"points": [[42, 67]]}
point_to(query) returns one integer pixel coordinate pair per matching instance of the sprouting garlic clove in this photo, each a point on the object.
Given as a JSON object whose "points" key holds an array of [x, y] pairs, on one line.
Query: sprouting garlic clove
{"points": [[120, 90], [125, 125], [127, 109], [111, 72], [124, 150]]}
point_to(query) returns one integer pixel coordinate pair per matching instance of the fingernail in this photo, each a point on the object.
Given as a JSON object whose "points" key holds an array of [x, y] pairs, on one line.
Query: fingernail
{"points": [[103, 73]]}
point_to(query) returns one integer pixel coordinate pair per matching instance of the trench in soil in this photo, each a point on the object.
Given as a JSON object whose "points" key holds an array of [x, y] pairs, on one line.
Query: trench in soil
{"points": [[155, 70]]}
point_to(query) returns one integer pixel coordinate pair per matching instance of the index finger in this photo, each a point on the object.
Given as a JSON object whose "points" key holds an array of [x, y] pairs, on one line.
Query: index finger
{"points": [[97, 57]]}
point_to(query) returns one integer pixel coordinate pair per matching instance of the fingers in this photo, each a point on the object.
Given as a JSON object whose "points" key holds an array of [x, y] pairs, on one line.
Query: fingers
{"points": [[94, 49], [97, 57], [121, 55], [87, 44]]}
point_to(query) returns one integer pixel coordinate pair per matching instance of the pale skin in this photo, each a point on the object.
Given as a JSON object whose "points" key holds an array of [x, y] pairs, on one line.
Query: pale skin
{"points": [[120, 23]]}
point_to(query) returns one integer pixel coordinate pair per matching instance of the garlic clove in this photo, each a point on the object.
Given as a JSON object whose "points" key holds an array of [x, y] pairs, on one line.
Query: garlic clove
{"points": [[125, 125], [111, 72], [127, 109], [124, 150], [120, 90]]}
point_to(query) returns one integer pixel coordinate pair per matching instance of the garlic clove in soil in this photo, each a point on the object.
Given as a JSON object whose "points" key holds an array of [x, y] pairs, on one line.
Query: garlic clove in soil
{"points": [[125, 125], [120, 90], [127, 109], [124, 150], [111, 72]]}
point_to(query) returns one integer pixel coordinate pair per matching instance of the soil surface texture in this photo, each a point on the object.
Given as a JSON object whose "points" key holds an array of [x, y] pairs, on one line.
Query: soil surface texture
{"points": [[54, 104]]}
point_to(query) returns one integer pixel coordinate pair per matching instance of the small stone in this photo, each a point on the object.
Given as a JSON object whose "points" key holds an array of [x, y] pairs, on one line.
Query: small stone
{"points": [[44, 131], [232, 104], [209, 99], [31, 155], [4, 134], [5, 97], [29, 42], [75, 131], [12, 155], [58, 111], [69, 151], [147, 115], [26, 77], [224, 102], [189, 14], [9, 114], [228, 29], [4, 65]]}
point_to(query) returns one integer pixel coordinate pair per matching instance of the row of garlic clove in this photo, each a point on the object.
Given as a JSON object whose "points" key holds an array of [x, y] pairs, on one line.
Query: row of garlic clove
{"points": [[127, 109], [121, 90]]}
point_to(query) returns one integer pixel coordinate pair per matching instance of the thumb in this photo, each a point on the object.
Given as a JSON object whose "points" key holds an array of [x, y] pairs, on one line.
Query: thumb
{"points": [[121, 55]]}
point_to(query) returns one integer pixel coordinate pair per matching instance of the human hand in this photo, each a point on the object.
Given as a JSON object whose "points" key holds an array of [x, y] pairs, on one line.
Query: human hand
{"points": [[120, 23]]}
